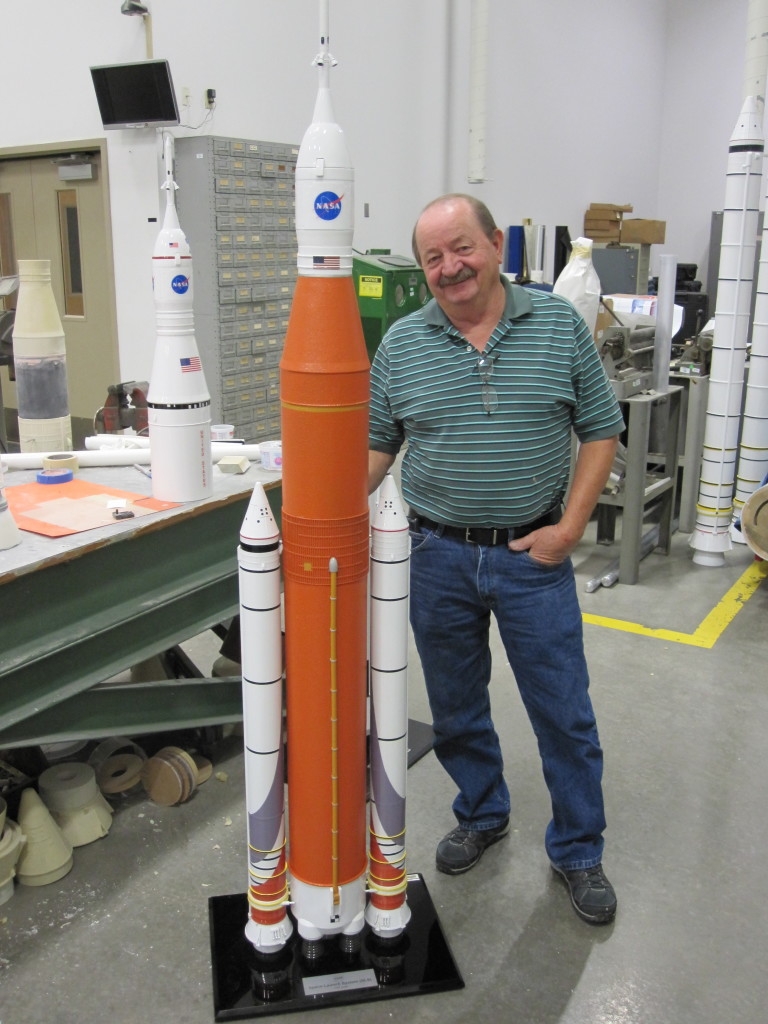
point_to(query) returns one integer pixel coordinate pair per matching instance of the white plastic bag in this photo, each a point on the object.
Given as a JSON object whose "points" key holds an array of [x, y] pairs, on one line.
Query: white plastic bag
{"points": [[578, 282]]}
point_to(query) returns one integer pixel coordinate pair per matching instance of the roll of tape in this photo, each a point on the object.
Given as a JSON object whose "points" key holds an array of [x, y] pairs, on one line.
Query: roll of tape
{"points": [[54, 476], [66, 460]]}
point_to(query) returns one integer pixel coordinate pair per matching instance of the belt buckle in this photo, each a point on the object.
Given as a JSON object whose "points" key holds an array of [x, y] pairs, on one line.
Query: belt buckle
{"points": [[468, 539]]}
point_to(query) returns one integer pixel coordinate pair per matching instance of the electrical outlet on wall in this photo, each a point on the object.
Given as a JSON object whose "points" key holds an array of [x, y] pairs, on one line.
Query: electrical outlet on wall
{"points": [[186, 96], [210, 98]]}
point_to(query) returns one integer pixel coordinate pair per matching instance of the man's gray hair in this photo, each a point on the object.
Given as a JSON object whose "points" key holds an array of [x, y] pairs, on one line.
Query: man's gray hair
{"points": [[481, 212]]}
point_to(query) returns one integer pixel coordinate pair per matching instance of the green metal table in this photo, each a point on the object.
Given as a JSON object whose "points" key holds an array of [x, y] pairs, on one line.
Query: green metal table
{"points": [[77, 611]]}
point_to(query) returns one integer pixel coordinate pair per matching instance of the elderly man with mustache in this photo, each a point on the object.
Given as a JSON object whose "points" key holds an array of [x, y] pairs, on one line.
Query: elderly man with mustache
{"points": [[484, 386]]}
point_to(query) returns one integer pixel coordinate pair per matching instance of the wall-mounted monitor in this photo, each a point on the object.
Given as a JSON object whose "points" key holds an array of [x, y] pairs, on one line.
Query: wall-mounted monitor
{"points": [[138, 95]]}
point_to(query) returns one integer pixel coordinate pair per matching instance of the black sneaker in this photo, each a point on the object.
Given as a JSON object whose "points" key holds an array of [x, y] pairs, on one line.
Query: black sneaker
{"points": [[461, 849], [592, 895]]}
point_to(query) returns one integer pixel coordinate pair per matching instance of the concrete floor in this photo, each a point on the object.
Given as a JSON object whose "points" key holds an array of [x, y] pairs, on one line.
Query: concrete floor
{"points": [[124, 936]]}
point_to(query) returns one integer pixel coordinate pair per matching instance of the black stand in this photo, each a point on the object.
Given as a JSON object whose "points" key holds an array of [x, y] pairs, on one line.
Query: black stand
{"points": [[420, 738], [249, 984]]}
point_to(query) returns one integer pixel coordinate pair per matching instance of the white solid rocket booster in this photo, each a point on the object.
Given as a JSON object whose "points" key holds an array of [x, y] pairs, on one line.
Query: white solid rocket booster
{"points": [[258, 557], [387, 912], [711, 536], [178, 399]]}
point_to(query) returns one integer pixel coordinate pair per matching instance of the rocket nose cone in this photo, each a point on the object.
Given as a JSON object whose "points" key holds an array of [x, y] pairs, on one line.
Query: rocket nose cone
{"points": [[748, 130], [390, 513], [259, 526]]}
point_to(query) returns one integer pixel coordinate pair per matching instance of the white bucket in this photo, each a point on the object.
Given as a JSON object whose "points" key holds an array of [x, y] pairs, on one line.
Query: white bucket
{"points": [[271, 454]]}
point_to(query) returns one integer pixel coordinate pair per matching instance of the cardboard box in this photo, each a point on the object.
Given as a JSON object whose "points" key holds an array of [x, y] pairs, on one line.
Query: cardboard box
{"points": [[597, 224], [642, 305], [614, 209], [602, 221], [648, 232], [601, 236]]}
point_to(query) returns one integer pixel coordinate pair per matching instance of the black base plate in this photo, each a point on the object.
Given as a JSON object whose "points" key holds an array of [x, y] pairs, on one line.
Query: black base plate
{"points": [[420, 739], [248, 984]]}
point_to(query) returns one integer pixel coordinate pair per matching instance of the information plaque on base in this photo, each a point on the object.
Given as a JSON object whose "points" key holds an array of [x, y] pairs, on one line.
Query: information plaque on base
{"points": [[248, 984]]}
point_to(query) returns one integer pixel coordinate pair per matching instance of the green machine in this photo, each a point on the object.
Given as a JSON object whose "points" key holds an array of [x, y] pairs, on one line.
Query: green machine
{"points": [[388, 287]]}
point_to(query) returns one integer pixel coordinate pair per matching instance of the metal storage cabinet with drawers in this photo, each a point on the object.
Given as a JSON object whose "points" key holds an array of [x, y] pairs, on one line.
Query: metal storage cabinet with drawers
{"points": [[236, 206]]}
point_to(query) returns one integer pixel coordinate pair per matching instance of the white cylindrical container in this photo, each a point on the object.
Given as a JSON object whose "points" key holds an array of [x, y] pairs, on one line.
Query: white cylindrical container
{"points": [[222, 431], [40, 361], [271, 455], [665, 309]]}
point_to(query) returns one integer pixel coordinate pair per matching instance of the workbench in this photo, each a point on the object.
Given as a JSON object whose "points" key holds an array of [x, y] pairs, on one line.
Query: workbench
{"points": [[79, 610]]}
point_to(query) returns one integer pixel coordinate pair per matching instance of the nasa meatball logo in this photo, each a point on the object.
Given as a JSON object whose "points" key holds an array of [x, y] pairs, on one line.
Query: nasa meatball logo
{"points": [[180, 284], [328, 205]]}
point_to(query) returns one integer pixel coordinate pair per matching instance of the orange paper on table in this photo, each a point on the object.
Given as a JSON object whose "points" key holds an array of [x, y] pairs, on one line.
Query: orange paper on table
{"points": [[57, 510]]}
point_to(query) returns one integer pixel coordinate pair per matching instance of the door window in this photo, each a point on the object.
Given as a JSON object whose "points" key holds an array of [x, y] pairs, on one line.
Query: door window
{"points": [[71, 264]]}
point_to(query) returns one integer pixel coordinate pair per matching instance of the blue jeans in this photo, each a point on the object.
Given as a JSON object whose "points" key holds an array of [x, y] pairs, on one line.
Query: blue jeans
{"points": [[455, 587]]}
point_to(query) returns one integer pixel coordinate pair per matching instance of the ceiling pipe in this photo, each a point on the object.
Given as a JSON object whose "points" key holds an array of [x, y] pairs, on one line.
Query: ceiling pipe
{"points": [[478, 92]]}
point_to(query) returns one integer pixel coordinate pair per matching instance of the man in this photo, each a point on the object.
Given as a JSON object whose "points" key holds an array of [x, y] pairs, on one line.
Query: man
{"points": [[485, 384]]}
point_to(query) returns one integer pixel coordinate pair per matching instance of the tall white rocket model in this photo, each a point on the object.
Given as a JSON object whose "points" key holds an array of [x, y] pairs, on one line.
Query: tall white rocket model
{"points": [[724, 488], [752, 467], [179, 404], [711, 537]]}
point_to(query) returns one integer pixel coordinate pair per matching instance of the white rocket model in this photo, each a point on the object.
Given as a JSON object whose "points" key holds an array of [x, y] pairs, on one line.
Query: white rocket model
{"points": [[178, 400], [752, 467], [258, 556], [387, 912], [711, 536]]}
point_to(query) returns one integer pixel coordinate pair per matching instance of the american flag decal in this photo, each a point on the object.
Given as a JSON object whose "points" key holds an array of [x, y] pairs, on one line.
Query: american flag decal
{"points": [[333, 262], [191, 364]]}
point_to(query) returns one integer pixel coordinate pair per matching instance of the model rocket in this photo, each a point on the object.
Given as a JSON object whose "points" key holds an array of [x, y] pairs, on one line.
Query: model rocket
{"points": [[387, 912], [328, 868], [711, 536], [178, 400], [258, 556]]}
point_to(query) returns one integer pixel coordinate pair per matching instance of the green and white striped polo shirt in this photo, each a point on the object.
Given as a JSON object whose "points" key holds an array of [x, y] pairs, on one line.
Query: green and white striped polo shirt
{"points": [[462, 465]]}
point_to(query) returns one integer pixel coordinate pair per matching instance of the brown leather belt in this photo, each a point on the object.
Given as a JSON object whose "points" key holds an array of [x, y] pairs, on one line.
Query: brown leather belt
{"points": [[486, 535]]}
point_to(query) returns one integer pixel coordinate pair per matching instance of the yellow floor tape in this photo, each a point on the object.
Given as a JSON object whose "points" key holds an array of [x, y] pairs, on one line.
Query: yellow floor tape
{"points": [[711, 628]]}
